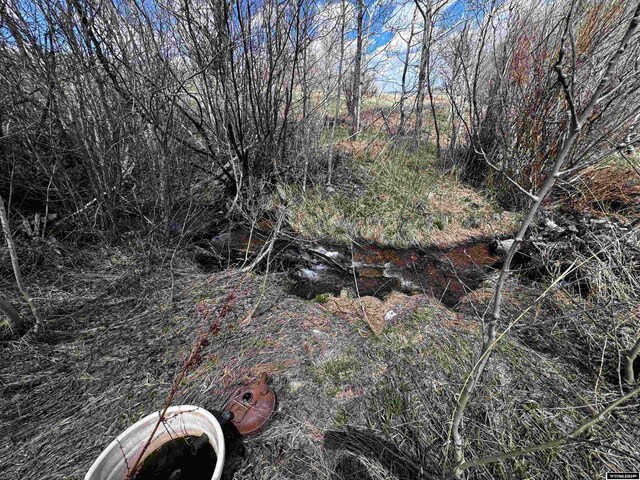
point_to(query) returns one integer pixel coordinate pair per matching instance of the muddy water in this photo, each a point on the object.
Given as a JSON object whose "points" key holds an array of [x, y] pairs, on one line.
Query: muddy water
{"points": [[447, 274], [191, 458], [366, 269]]}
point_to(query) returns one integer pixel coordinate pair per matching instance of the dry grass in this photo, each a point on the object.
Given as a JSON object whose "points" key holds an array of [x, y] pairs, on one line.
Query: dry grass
{"points": [[402, 202], [609, 189], [363, 149], [350, 402], [371, 310], [110, 352], [527, 397], [468, 215]]}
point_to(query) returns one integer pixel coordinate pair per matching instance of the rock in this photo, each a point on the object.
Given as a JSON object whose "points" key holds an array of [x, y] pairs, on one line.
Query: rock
{"points": [[551, 225], [503, 246], [308, 274], [389, 315], [295, 385]]}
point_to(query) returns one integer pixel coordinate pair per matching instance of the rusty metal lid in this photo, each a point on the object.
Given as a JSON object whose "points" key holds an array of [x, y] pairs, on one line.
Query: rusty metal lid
{"points": [[252, 405]]}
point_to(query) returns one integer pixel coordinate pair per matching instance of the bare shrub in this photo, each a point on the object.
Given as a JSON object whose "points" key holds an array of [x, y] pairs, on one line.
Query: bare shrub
{"points": [[513, 108]]}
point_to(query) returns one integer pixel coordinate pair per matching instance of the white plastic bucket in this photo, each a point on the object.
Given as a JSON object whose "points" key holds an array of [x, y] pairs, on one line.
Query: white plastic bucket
{"points": [[179, 421]]}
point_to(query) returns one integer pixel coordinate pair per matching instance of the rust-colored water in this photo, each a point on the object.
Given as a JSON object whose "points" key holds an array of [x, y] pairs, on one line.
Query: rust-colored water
{"points": [[445, 273]]}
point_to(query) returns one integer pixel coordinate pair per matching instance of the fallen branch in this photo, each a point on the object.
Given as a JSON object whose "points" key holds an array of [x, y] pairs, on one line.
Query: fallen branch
{"points": [[15, 320], [327, 258], [573, 436], [16, 268]]}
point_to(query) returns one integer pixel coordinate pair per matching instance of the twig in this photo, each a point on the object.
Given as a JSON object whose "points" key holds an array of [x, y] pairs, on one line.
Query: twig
{"points": [[190, 363], [365, 317], [266, 252], [16, 266], [566, 146], [329, 259], [630, 357], [555, 443]]}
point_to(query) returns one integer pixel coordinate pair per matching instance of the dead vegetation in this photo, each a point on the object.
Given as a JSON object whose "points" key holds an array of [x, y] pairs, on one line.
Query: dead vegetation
{"points": [[146, 153], [373, 311], [609, 190], [401, 201], [350, 399]]}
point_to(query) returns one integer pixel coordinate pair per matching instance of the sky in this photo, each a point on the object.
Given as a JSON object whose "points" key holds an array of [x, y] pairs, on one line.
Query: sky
{"points": [[390, 29], [389, 23]]}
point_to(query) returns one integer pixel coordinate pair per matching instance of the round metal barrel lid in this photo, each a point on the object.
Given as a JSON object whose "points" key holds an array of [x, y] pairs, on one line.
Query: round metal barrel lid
{"points": [[252, 405]]}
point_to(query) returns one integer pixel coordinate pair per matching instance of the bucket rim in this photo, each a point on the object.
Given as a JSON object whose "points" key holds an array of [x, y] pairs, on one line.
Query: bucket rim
{"points": [[172, 413]]}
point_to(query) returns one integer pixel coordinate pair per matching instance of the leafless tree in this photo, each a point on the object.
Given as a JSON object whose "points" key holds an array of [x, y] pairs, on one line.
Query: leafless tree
{"points": [[404, 88], [616, 75], [342, 20], [356, 88], [12, 315]]}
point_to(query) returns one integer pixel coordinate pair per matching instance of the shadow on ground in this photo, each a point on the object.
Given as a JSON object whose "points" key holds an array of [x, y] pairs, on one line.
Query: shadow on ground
{"points": [[361, 443]]}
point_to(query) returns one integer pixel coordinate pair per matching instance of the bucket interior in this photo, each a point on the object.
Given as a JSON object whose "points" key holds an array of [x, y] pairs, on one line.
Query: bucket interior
{"points": [[179, 422]]}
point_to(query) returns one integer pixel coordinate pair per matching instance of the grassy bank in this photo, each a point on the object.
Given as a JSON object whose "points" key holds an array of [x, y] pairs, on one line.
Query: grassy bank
{"points": [[350, 402], [398, 198]]}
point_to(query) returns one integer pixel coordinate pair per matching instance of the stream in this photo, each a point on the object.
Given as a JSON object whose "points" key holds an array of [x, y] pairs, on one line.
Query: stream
{"points": [[361, 269]]}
